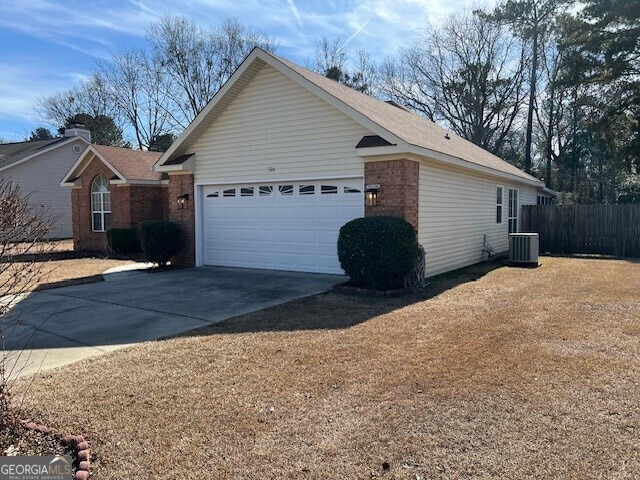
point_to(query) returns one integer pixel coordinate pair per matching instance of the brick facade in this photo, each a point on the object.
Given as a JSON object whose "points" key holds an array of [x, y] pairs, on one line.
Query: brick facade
{"points": [[130, 205], [185, 218], [398, 194]]}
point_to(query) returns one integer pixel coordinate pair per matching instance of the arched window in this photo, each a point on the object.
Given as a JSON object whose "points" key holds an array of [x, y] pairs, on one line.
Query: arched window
{"points": [[100, 205]]}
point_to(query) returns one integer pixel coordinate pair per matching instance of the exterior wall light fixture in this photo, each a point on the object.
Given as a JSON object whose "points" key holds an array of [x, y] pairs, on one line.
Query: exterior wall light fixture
{"points": [[371, 195], [182, 200]]}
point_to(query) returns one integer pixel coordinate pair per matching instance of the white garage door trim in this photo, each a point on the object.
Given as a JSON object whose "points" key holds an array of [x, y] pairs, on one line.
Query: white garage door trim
{"points": [[278, 225]]}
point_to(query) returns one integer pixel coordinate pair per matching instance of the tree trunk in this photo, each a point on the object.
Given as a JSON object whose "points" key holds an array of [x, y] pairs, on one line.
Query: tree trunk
{"points": [[532, 96]]}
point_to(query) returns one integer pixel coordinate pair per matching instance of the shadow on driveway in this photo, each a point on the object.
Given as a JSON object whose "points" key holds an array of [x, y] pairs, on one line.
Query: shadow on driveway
{"points": [[62, 325], [343, 311]]}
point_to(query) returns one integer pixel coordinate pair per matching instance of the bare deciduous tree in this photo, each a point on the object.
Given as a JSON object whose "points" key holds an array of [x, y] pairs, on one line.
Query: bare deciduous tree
{"points": [[91, 97], [194, 62], [334, 61], [468, 74], [23, 231], [135, 85]]}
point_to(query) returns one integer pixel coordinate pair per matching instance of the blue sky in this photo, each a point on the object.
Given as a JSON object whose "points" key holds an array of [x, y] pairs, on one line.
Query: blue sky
{"points": [[47, 46]]}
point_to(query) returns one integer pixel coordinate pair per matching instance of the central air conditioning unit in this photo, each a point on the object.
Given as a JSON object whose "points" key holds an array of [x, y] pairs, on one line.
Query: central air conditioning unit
{"points": [[523, 249]]}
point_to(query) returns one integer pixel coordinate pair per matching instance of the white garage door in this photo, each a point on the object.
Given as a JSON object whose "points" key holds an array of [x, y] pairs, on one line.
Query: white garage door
{"points": [[281, 226]]}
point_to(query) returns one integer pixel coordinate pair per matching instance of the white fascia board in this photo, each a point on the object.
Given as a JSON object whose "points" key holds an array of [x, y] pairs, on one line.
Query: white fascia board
{"points": [[415, 153], [548, 191], [121, 182], [287, 72], [81, 158], [377, 151], [204, 113], [75, 184], [187, 166], [46, 150], [82, 163], [458, 162]]}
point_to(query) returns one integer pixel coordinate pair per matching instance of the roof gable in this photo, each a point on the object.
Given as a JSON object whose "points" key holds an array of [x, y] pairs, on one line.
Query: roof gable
{"points": [[411, 133], [128, 166], [15, 153]]}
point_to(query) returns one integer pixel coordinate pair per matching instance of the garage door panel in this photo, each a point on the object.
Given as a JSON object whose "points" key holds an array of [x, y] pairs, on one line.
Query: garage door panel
{"points": [[308, 260], [328, 236], [329, 213], [307, 236], [266, 235], [351, 212], [306, 212], [280, 229], [287, 236], [287, 259], [329, 261]]}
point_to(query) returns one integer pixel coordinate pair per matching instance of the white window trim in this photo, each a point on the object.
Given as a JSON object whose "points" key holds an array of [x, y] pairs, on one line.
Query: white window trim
{"points": [[101, 211], [501, 205]]}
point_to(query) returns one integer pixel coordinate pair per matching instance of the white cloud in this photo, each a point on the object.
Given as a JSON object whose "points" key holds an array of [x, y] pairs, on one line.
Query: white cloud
{"points": [[22, 85], [95, 29], [295, 12]]}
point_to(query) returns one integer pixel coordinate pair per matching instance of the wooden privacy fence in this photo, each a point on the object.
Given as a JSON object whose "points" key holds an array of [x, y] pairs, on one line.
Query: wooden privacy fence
{"points": [[598, 229]]}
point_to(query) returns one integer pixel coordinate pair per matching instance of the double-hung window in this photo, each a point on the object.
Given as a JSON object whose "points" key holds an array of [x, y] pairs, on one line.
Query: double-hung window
{"points": [[499, 191]]}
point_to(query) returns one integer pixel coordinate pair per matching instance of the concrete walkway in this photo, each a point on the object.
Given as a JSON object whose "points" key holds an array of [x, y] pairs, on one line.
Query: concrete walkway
{"points": [[59, 326]]}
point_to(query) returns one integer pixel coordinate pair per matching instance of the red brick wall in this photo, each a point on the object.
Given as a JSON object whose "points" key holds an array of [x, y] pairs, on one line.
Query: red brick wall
{"points": [[130, 205], [185, 218], [146, 202], [120, 206], [398, 194]]}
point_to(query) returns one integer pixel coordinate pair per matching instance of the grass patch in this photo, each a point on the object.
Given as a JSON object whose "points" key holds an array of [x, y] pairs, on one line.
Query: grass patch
{"points": [[519, 374], [61, 266]]}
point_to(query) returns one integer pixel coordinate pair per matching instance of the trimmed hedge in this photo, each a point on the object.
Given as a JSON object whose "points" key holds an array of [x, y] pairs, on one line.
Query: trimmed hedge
{"points": [[160, 240], [378, 252], [122, 240]]}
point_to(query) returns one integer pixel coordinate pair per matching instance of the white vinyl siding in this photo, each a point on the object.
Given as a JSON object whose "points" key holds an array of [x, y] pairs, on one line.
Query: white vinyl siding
{"points": [[277, 130], [456, 210], [40, 177]]}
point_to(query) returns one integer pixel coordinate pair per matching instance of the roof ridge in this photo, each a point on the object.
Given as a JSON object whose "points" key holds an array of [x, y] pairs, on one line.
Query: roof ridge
{"points": [[463, 148]]}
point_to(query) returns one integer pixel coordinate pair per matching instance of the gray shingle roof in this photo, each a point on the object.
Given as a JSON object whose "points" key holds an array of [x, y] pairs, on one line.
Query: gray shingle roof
{"points": [[14, 152], [412, 128], [133, 164], [418, 134]]}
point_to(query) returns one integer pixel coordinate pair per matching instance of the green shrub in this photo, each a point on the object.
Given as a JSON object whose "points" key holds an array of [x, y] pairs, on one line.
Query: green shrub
{"points": [[378, 252], [122, 240], [160, 240]]}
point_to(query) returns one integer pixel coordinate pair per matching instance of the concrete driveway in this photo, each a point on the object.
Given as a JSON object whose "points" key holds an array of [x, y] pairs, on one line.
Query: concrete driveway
{"points": [[63, 325]]}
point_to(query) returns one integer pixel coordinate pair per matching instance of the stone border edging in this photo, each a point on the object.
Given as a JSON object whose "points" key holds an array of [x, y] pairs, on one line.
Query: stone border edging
{"points": [[77, 442]]}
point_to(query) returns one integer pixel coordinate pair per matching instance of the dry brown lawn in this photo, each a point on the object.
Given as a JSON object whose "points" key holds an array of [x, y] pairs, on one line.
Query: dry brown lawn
{"points": [[59, 266], [519, 374]]}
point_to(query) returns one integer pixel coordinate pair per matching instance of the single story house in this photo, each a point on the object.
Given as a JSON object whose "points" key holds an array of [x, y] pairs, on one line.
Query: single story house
{"points": [[113, 187], [38, 166], [282, 157]]}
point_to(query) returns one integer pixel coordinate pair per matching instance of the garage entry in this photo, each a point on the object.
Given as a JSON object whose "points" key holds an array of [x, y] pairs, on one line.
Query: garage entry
{"points": [[280, 226]]}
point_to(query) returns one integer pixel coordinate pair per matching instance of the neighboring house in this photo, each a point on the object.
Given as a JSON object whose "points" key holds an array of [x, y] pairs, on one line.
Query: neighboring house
{"points": [[113, 187], [38, 167], [281, 157]]}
